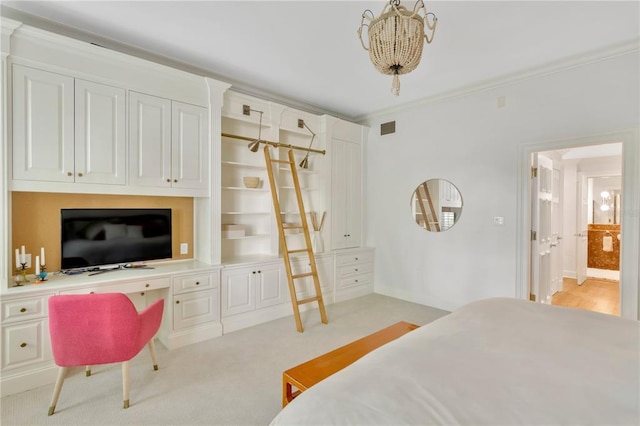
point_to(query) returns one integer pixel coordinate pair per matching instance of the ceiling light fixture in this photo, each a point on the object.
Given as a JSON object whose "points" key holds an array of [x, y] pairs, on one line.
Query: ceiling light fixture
{"points": [[396, 38]]}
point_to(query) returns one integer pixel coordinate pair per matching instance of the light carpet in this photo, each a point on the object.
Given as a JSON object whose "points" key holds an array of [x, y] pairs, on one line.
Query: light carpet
{"points": [[235, 379]]}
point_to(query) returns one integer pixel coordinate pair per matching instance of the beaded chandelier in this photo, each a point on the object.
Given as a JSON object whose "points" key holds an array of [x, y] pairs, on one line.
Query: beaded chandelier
{"points": [[396, 38]]}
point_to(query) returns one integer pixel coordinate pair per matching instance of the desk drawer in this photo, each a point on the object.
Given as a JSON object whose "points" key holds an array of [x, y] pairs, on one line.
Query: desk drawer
{"points": [[128, 287], [25, 343], [24, 309], [190, 283], [194, 308]]}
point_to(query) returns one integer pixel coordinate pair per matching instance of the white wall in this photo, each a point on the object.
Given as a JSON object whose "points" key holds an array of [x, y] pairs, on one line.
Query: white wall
{"points": [[474, 144]]}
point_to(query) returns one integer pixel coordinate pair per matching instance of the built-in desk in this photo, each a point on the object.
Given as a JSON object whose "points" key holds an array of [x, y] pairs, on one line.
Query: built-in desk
{"points": [[191, 314]]}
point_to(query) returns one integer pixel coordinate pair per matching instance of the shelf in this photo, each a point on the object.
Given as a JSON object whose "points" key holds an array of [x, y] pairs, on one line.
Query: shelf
{"points": [[247, 237], [248, 213], [242, 188], [300, 171], [247, 165], [301, 189]]}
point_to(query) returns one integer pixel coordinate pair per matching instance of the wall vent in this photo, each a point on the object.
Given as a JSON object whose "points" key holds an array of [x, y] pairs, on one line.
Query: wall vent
{"points": [[387, 128]]}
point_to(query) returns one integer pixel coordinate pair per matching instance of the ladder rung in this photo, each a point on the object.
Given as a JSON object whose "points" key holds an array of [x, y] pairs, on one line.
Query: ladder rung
{"points": [[308, 274], [298, 251], [309, 300], [292, 226], [281, 161]]}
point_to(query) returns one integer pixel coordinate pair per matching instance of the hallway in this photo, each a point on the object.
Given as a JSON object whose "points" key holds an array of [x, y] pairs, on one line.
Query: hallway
{"points": [[594, 295]]}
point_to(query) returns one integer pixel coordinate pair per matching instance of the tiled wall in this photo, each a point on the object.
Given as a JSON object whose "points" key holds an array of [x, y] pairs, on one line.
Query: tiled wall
{"points": [[597, 257]]}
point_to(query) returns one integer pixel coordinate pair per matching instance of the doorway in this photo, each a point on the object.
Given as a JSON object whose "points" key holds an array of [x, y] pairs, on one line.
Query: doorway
{"points": [[630, 252], [578, 250]]}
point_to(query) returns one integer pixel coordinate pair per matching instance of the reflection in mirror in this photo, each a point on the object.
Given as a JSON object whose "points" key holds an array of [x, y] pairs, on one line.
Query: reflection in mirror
{"points": [[436, 205], [604, 199]]}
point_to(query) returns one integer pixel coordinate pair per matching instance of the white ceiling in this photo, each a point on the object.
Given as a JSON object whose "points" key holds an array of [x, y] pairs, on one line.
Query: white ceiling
{"points": [[308, 52]]}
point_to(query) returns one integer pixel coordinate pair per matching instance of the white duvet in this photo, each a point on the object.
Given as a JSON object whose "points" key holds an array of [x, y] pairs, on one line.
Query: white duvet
{"points": [[493, 362]]}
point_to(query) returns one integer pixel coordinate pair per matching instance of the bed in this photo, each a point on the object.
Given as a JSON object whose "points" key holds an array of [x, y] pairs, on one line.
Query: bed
{"points": [[497, 361]]}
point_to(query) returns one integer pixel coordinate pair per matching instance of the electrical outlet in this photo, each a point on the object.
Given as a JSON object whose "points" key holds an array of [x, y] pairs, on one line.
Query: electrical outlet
{"points": [[498, 220], [184, 248], [27, 257]]}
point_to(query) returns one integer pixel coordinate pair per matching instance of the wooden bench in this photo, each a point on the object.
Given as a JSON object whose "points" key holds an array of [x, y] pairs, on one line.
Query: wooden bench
{"points": [[307, 374]]}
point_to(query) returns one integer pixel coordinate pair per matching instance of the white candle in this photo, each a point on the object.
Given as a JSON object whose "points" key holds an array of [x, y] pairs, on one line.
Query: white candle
{"points": [[17, 258], [37, 265], [23, 256], [42, 256]]}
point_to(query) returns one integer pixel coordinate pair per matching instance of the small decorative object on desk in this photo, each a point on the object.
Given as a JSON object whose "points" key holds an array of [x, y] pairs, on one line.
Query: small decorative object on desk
{"points": [[21, 266], [317, 243]]}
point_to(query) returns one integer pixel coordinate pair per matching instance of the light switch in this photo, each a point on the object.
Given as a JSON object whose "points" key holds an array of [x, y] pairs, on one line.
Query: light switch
{"points": [[184, 248]]}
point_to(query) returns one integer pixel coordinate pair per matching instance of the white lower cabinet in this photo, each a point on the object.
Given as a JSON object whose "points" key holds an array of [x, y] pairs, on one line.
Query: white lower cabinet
{"points": [[253, 294], [25, 341], [195, 300], [354, 273]]}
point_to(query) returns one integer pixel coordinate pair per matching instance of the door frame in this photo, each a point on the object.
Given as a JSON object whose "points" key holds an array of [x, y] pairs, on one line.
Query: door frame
{"points": [[629, 218]]}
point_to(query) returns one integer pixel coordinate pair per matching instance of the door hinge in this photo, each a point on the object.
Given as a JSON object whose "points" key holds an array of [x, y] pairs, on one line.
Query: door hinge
{"points": [[534, 235], [534, 172], [532, 297]]}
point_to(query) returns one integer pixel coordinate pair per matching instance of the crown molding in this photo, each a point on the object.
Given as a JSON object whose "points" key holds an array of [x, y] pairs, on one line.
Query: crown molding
{"points": [[625, 48]]}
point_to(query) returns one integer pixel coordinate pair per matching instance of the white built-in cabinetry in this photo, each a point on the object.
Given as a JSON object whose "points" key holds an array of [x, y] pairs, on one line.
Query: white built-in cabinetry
{"points": [[66, 129], [88, 120], [252, 208], [346, 194], [167, 143]]}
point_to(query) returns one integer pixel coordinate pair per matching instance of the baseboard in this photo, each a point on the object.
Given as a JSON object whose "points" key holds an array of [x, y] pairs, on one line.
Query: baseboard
{"points": [[201, 333], [352, 293], [19, 382]]}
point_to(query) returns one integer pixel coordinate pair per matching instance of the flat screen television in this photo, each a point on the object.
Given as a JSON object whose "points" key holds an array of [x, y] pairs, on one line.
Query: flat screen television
{"points": [[114, 236]]}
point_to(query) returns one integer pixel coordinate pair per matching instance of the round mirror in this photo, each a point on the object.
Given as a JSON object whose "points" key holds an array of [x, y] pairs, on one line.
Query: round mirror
{"points": [[436, 205]]}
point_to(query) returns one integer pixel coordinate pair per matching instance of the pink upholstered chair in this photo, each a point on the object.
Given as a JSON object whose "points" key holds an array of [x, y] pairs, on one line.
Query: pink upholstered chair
{"points": [[94, 329]]}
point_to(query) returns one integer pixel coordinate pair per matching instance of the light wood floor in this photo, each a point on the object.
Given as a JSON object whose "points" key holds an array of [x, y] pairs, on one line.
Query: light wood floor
{"points": [[593, 295]]}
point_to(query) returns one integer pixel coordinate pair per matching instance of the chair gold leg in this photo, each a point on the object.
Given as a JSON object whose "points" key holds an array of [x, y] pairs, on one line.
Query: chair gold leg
{"points": [[125, 383], [87, 370], [154, 356], [62, 373]]}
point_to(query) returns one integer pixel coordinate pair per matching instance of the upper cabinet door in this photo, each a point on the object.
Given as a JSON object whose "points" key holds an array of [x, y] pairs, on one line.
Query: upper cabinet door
{"points": [[42, 125], [100, 136], [149, 140], [190, 151]]}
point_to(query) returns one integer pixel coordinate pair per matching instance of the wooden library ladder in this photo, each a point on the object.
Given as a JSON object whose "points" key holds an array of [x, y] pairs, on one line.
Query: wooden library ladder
{"points": [[291, 277]]}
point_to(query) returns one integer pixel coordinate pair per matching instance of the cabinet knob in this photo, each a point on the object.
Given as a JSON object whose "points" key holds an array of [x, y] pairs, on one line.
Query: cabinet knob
{"points": [[91, 292], [23, 344], [177, 302], [259, 272], [142, 293], [175, 180], [168, 180], [80, 174], [356, 258], [356, 269], [69, 174], [147, 285], [197, 282], [253, 272], [23, 309], [356, 280]]}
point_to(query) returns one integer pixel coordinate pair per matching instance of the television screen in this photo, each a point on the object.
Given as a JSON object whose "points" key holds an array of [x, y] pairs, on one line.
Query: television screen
{"points": [[96, 237]]}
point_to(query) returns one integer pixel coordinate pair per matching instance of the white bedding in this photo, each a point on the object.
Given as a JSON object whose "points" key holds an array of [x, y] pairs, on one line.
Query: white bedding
{"points": [[493, 362]]}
